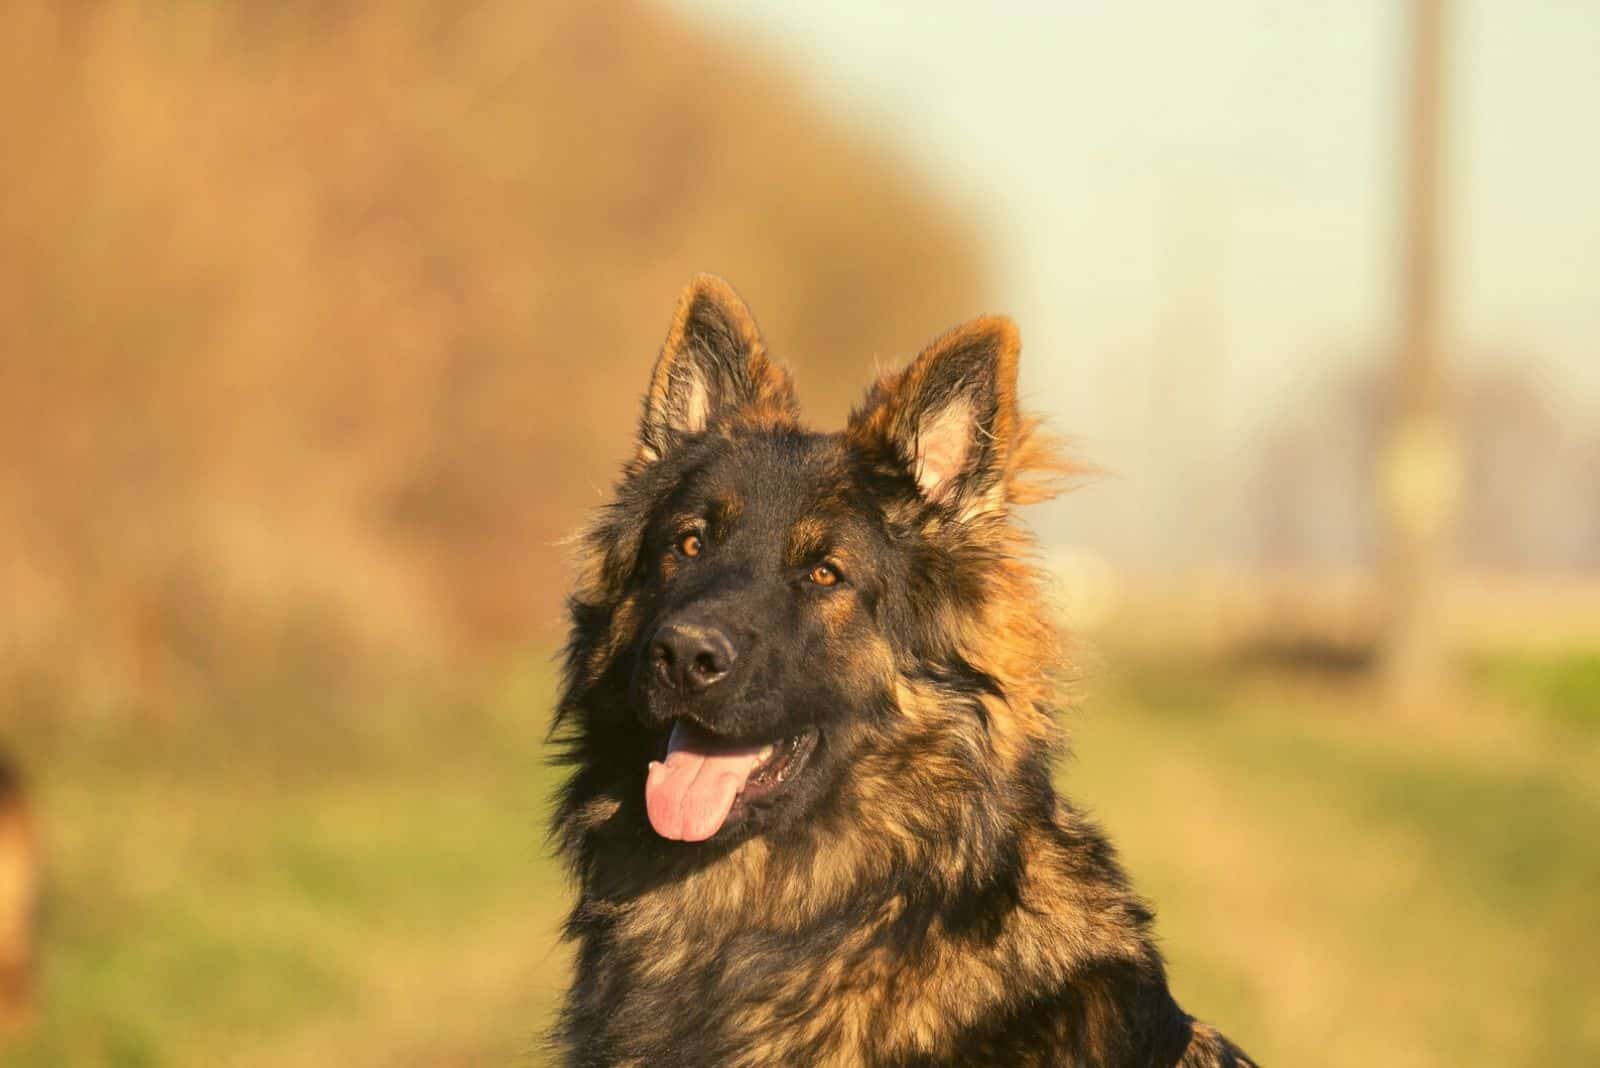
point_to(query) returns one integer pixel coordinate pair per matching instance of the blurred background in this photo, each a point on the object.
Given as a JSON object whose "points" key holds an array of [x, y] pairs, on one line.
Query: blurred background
{"points": [[321, 325]]}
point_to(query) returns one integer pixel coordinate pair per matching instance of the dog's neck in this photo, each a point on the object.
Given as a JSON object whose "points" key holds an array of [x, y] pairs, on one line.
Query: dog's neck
{"points": [[766, 931]]}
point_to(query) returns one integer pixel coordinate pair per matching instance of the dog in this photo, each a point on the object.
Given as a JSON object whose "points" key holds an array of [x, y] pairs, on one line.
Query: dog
{"points": [[19, 906], [807, 707]]}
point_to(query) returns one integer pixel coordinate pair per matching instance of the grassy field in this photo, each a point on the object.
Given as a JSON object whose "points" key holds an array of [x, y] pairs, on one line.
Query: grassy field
{"points": [[1337, 886]]}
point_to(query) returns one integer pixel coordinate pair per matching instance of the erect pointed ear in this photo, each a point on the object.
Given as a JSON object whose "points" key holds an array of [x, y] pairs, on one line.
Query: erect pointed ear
{"points": [[711, 365], [951, 415]]}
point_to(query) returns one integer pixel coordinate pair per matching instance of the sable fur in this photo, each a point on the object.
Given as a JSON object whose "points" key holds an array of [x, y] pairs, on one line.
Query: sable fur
{"points": [[920, 895]]}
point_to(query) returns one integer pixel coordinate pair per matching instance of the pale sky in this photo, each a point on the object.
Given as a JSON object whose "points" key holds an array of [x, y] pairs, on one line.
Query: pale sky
{"points": [[1192, 207]]}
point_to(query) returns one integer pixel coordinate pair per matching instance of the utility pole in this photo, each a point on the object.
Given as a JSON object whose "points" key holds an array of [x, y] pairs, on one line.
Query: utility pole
{"points": [[1420, 476]]}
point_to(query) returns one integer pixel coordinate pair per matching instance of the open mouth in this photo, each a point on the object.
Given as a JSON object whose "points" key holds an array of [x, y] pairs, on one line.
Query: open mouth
{"points": [[705, 782]]}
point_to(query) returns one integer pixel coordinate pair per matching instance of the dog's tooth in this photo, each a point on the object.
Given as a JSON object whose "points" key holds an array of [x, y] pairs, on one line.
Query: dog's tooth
{"points": [[765, 754]]}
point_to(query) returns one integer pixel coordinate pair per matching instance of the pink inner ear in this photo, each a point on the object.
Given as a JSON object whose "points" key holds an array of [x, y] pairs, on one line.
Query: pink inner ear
{"points": [[693, 410], [943, 441], [697, 406]]}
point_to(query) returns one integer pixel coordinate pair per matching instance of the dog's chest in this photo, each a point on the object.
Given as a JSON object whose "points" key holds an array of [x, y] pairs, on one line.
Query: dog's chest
{"points": [[821, 997]]}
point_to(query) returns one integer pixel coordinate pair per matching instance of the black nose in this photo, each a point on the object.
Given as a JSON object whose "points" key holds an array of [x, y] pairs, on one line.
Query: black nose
{"points": [[691, 657]]}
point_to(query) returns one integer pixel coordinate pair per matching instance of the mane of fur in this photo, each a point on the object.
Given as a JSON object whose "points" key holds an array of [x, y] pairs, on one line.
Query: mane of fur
{"points": [[949, 905]]}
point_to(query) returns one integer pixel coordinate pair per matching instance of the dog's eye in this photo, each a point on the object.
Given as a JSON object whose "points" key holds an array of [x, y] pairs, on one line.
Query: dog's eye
{"points": [[690, 544], [824, 575]]}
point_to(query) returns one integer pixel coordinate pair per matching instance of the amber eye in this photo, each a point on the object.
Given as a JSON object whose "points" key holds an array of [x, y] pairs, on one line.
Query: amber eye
{"points": [[690, 544], [824, 575]]}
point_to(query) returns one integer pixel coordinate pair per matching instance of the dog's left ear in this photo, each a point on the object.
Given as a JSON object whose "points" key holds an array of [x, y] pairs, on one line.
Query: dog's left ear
{"points": [[951, 415], [712, 365]]}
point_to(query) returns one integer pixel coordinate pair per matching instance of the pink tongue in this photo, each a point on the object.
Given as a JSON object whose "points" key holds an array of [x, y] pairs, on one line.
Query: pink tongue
{"points": [[690, 795]]}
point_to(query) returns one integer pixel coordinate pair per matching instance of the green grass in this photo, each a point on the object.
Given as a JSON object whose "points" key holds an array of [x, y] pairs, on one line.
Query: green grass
{"points": [[1337, 886], [1564, 685], [1334, 885], [234, 898]]}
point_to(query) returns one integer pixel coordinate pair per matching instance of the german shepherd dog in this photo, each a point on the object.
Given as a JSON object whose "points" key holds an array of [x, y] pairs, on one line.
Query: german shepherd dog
{"points": [[808, 706]]}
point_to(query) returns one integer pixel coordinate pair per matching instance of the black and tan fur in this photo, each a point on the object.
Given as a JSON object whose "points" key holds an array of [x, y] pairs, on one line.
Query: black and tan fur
{"points": [[920, 894]]}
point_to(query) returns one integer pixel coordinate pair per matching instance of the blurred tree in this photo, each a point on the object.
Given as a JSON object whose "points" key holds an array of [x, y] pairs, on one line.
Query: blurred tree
{"points": [[321, 325], [1527, 468]]}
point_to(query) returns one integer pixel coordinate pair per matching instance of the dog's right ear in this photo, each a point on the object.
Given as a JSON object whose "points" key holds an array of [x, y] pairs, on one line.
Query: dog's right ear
{"points": [[712, 365]]}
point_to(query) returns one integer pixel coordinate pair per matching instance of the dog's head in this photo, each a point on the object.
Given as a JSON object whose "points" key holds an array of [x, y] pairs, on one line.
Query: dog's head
{"points": [[772, 619]]}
